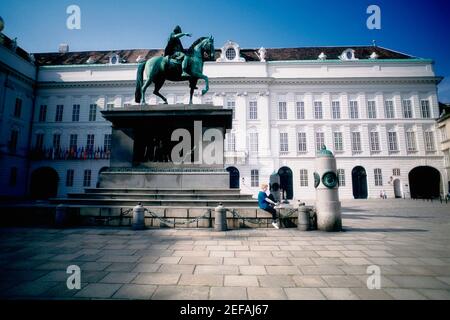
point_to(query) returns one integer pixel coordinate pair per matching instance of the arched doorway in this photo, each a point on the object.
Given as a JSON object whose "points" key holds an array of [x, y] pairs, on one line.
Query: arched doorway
{"points": [[397, 188], [359, 183], [286, 183], [424, 182], [103, 169], [44, 183], [234, 177]]}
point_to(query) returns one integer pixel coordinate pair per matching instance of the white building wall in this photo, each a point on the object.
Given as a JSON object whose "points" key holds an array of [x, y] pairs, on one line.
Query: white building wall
{"points": [[266, 83]]}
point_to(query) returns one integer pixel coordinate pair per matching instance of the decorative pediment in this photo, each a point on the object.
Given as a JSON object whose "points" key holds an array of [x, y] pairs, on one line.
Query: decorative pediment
{"points": [[230, 52]]}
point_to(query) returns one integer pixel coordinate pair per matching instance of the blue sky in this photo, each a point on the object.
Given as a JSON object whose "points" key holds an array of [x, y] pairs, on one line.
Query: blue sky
{"points": [[419, 27]]}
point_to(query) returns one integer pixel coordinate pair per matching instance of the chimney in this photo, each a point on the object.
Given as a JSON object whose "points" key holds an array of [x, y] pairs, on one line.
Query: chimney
{"points": [[63, 48]]}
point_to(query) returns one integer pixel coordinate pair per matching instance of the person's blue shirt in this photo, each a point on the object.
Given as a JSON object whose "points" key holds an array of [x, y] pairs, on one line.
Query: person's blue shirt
{"points": [[262, 203]]}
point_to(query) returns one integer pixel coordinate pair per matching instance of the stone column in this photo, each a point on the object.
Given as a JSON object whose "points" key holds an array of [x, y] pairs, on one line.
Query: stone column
{"points": [[328, 206]]}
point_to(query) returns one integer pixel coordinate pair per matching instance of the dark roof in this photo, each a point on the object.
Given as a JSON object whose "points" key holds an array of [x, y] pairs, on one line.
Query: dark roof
{"points": [[278, 54]]}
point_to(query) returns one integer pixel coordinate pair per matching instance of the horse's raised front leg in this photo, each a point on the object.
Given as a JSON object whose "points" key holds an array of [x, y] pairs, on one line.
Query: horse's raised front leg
{"points": [[200, 75]]}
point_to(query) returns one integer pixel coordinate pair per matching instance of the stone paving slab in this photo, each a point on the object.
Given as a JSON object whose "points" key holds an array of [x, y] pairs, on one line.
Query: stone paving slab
{"points": [[409, 241]]}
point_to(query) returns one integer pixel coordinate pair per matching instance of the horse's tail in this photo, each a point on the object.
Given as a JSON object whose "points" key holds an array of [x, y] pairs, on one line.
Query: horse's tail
{"points": [[139, 82]]}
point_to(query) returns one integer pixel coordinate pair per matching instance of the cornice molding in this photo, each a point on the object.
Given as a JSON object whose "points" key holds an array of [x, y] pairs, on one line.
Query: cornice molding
{"points": [[252, 81]]}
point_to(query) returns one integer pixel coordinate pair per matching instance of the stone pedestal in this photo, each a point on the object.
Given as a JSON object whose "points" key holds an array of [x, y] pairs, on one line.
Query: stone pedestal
{"points": [[167, 146], [328, 206]]}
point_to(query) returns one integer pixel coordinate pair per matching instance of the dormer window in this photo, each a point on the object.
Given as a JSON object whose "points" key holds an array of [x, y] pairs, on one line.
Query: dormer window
{"points": [[348, 54], [114, 59], [230, 53]]}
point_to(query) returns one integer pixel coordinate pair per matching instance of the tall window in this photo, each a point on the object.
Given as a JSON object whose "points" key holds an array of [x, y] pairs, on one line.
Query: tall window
{"points": [[69, 177], [18, 108], [341, 177], [338, 141], [303, 178], [425, 108], [429, 141], [392, 141], [59, 113], [301, 140], [109, 106], [254, 177], [407, 108], [253, 106], [231, 104], [396, 172], [13, 177], [90, 142], [76, 112], [39, 141], [335, 109], [410, 141], [443, 133], [378, 177], [107, 142], [300, 110], [389, 109], [231, 141], [371, 109], [374, 141], [73, 142], [354, 112], [42, 113], [92, 112], [253, 136], [87, 178], [56, 141], [356, 141], [282, 111], [14, 137], [320, 140], [284, 146], [318, 114]]}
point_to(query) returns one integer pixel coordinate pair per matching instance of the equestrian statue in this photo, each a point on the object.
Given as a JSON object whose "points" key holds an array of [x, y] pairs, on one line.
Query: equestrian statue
{"points": [[176, 65]]}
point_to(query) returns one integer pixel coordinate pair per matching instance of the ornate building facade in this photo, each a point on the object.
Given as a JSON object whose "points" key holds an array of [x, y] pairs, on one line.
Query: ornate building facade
{"points": [[374, 108]]}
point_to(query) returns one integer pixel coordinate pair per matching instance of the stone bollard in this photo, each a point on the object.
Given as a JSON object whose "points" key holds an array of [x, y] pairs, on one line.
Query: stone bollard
{"points": [[61, 216], [138, 217], [303, 218], [220, 218], [328, 206]]}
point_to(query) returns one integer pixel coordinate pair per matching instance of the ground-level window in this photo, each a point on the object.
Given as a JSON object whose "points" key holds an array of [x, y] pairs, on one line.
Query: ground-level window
{"points": [[69, 177], [87, 178], [378, 177], [341, 177], [254, 175], [303, 177]]}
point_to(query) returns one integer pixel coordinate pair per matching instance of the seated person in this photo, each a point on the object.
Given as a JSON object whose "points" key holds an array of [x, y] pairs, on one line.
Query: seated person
{"points": [[265, 203]]}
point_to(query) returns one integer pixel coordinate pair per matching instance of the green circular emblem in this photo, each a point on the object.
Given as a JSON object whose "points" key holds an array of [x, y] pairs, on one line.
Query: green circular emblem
{"points": [[316, 179], [329, 179]]}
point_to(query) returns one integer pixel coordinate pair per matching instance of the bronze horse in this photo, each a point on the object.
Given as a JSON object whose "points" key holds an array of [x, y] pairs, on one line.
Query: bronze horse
{"points": [[160, 69]]}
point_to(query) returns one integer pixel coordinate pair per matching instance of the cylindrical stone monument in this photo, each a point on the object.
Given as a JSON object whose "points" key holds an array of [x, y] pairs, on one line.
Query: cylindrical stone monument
{"points": [[328, 206], [138, 217], [220, 218]]}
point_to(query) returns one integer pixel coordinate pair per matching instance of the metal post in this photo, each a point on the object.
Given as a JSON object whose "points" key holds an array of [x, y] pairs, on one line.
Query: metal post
{"points": [[220, 215], [138, 217]]}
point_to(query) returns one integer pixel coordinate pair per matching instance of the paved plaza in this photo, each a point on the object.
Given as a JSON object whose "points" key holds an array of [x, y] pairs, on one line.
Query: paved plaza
{"points": [[408, 240]]}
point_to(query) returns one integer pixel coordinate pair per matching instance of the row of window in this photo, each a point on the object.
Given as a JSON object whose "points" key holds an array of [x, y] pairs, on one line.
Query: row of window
{"points": [[60, 112], [73, 141], [338, 141], [354, 112], [304, 180]]}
